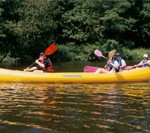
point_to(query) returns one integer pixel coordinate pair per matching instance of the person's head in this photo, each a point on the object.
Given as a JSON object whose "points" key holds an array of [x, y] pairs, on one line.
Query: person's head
{"points": [[145, 56], [117, 55], [41, 56]]}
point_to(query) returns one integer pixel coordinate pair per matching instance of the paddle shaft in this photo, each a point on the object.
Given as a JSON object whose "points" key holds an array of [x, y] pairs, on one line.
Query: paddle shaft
{"points": [[33, 64]]}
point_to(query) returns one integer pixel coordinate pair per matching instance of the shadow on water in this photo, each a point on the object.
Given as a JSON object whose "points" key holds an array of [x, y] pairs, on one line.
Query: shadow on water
{"points": [[72, 108]]}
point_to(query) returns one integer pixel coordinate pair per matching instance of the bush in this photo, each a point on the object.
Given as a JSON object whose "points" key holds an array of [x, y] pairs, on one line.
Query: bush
{"points": [[71, 52], [8, 59], [66, 52], [136, 54], [110, 45], [87, 52]]}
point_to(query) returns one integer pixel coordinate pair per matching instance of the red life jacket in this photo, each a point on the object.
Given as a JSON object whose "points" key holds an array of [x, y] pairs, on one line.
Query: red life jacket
{"points": [[48, 69]]}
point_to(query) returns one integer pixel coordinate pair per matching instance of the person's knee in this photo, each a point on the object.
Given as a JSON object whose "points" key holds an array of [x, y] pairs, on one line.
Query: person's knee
{"points": [[98, 70]]}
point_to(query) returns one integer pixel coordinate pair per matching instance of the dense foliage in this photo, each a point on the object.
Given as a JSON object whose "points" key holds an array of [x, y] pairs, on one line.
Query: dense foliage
{"points": [[78, 27]]}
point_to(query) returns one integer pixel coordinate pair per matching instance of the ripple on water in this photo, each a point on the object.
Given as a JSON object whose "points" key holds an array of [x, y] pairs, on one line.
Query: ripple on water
{"points": [[75, 107]]}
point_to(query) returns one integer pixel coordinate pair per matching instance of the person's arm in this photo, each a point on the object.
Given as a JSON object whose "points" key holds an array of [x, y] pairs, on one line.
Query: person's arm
{"points": [[108, 64], [123, 63], [40, 63], [136, 65], [116, 65], [148, 62]]}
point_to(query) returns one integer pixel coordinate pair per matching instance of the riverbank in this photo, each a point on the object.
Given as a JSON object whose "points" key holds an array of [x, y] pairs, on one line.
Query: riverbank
{"points": [[76, 54]]}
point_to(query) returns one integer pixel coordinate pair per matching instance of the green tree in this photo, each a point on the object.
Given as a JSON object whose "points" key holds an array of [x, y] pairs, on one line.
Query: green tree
{"points": [[144, 28], [9, 30], [82, 23], [27, 27]]}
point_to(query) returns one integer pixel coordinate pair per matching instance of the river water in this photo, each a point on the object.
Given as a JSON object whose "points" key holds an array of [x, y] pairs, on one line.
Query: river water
{"points": [[72, 108]]}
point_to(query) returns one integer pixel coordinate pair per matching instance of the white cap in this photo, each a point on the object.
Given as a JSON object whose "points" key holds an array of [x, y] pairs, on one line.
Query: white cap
{"points": [[145, 55]]}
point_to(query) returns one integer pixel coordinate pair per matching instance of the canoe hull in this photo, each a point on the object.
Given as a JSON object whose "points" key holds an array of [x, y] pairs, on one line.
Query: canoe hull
{"points": [[136, 75]]}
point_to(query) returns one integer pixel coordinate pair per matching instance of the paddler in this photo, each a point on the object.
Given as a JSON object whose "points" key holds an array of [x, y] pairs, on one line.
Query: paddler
{"points": [[43, 64], [145, 62], [111, 66]]}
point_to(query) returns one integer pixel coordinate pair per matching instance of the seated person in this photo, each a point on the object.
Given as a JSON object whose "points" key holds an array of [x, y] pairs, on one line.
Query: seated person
{"points": [[144, 63], [121, 61], [43, 63], [111, 67]]}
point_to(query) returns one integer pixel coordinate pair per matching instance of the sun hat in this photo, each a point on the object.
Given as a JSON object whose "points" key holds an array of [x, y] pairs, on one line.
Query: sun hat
{"points": [[145, 55]]}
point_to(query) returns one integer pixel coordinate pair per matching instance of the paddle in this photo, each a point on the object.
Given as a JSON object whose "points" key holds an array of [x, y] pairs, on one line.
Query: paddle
{"points": [[49, 50], [99, 53], [112, 53]]}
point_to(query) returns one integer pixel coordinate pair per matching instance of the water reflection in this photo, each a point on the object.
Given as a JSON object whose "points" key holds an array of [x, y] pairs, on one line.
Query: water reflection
{"points": [[74, 108]]}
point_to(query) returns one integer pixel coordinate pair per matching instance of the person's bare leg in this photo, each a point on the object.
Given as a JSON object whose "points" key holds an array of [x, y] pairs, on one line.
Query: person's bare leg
{"points": [[30, 69], [101, 70]]}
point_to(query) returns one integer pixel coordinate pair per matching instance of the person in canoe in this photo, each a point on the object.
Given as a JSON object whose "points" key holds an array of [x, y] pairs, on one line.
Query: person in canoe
{"points": [[145, 62], [111, 66], [43, 64], [121, 61]]}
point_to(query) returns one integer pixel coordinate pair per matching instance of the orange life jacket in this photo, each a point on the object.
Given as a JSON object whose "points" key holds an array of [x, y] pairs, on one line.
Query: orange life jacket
{"points": [[48, 69]]}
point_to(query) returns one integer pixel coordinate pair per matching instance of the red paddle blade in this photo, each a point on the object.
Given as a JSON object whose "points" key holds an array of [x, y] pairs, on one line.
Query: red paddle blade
{"points": [[98, 53], [50, 50]]}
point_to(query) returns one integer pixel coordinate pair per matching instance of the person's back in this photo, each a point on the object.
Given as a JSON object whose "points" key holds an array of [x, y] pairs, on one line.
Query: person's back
{"points": [[48, 65]]}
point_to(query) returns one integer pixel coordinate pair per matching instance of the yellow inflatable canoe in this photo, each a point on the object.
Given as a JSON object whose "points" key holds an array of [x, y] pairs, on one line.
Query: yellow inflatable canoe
{"points": [[135, 75]]}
